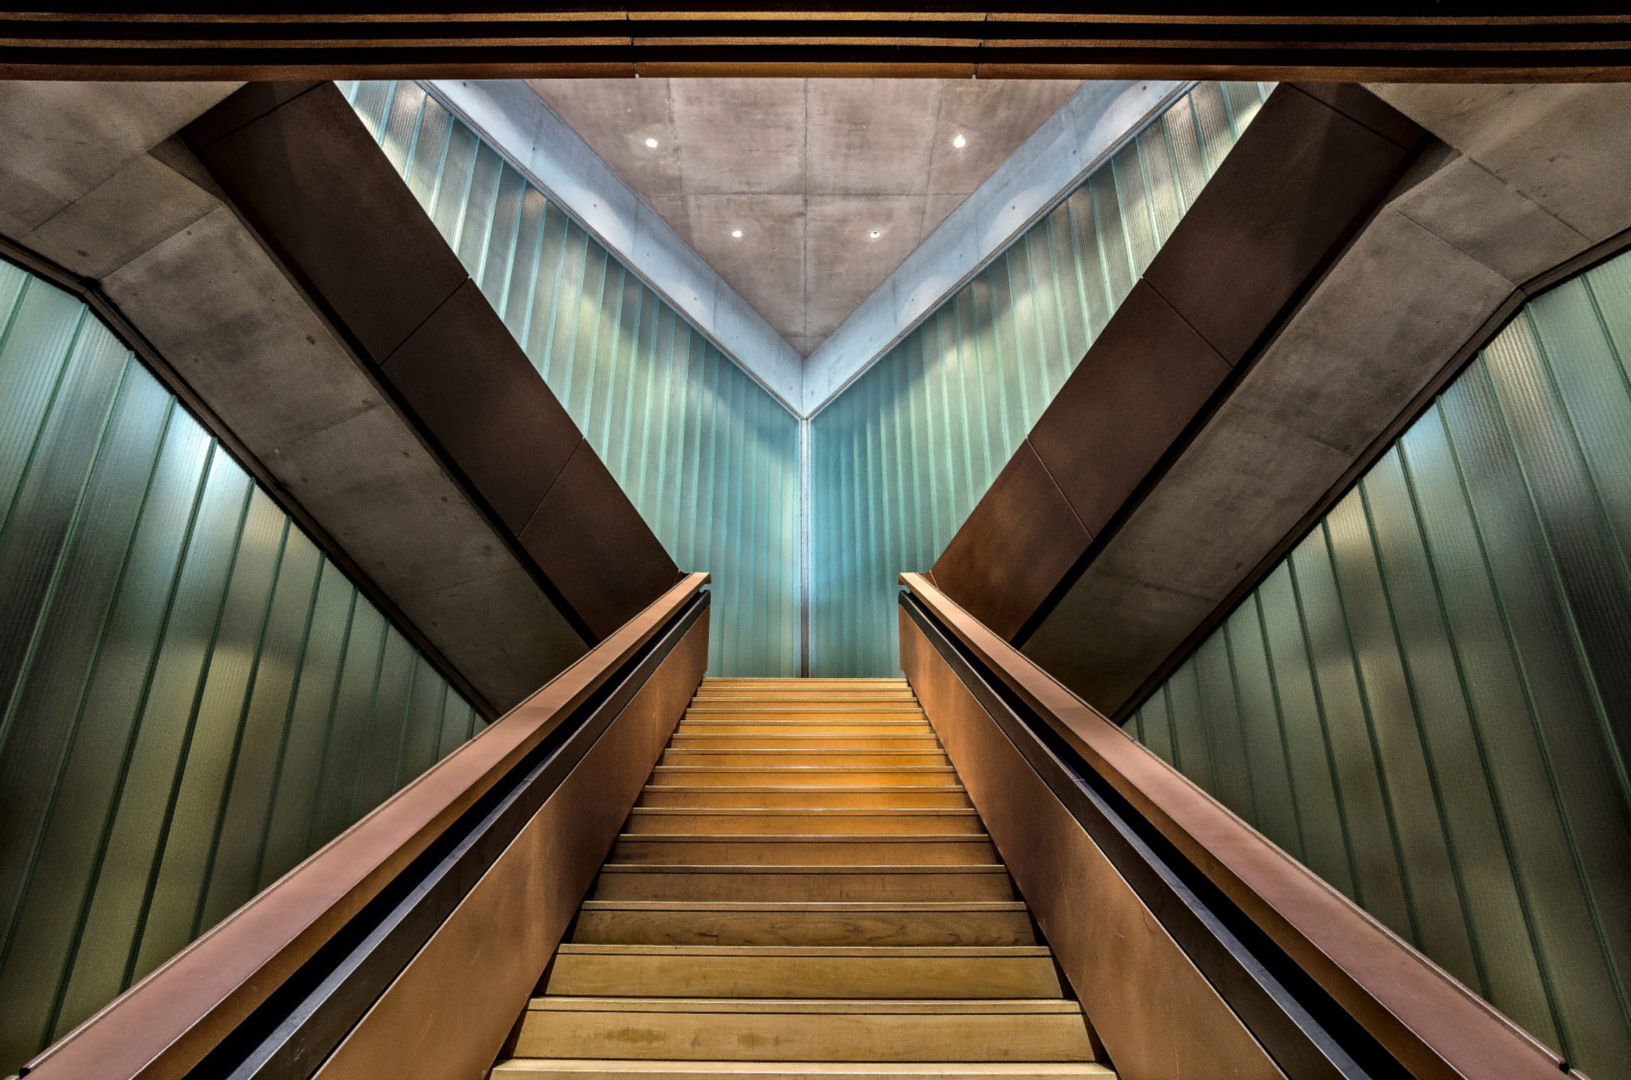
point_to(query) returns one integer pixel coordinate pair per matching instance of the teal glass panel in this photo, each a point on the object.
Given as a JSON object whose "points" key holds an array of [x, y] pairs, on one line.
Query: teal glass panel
{"points": [[708, 457], [901, 457], [1437, 715], [167, 647]]}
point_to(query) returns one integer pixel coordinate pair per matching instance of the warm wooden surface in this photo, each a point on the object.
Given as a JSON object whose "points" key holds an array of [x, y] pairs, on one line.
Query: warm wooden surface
{"points": [[803, 889]]}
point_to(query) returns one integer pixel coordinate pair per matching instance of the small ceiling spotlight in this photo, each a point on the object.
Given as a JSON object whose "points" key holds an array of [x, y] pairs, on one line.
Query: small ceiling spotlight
{"points": [[959, 141], [874, 234], [651, 142], [736, 234]]}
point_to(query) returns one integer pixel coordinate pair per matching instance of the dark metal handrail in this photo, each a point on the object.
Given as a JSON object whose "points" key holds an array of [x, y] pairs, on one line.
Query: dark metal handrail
{"points": [[1391, 998], [203, 1000]]}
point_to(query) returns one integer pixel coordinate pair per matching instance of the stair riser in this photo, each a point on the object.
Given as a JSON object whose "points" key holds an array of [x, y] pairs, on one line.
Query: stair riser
{"points": [[689, 975], [801, 798], [807, 822], [727, 776], [690, 927], [827, 1037], [770, 758], [828, 886], [749, 852]]}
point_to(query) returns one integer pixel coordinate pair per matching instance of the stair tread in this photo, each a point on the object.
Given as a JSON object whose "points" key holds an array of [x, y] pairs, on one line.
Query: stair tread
{"points": [[798, 811], [786, 977], [804, 838], [804, 905], [804, 769], [889, 1006], [914, 788], [914, 952], [795, 868], [615, 1066]]}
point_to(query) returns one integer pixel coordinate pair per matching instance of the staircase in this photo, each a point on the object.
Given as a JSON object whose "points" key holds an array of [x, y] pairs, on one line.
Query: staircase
{"points": [[803, 890]]}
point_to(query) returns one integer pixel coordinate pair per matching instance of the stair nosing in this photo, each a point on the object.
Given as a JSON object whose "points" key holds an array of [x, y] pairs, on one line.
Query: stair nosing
{"points": [[806, 1006], [805, 868], [805, 838], [910, 952]]}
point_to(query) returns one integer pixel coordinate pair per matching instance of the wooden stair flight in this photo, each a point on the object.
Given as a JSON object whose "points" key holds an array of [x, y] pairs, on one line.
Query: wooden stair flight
{"points": [[803, 890]]}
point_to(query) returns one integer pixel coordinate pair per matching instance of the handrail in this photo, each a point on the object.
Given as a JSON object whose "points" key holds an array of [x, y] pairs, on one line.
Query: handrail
{"points": [[166, 1024], [1417, 1012]]}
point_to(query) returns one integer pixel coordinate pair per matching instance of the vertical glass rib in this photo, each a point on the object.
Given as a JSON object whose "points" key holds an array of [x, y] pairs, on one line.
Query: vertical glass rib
{"points": [[1447, 656]]}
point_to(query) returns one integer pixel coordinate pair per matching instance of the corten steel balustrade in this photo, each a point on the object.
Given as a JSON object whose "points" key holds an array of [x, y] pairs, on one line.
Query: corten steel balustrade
{"points": [[1197, 947], [409, 944]]}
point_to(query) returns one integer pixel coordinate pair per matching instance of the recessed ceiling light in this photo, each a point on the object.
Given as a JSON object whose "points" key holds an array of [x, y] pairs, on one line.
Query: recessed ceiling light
{"points": [[736, 234], [959, 141], [874, 234], [651, 142]]}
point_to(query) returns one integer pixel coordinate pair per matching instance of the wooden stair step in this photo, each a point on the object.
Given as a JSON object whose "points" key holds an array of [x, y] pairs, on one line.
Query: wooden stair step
{"points": [[602, 1069], [761, 757], [618, 881], [799, 682], [805, 820], [751, 795], [812, 708], [893, 923], [804, 1030], [797, 728], [592, 1069], [803, 775], [804, 707], [803, 850], [820, 971], [688, 740]]}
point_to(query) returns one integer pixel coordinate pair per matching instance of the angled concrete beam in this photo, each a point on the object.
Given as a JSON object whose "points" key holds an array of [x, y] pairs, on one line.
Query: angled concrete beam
{"points": [[98, 192], [299, 165], [1304, 177]]}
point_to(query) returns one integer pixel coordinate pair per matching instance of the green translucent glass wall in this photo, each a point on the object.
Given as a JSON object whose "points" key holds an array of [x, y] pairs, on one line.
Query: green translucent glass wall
{"points": [[1429, 701], [708, 457], [901, 457], [192, 698]]}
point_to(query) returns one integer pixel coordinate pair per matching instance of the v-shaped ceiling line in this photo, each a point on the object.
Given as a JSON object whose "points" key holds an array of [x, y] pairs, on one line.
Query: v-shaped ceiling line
{"points": [[1077, 138]]}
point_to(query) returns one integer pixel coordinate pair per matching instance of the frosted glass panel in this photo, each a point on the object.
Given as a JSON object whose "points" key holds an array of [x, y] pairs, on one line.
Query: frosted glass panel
{"points": [[171, 735], [708, 457], [1429, 701], [902, 456]]}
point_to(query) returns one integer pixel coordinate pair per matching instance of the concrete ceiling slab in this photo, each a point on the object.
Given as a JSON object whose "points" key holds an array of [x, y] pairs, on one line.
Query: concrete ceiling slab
{"points": [[807, 169]]}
